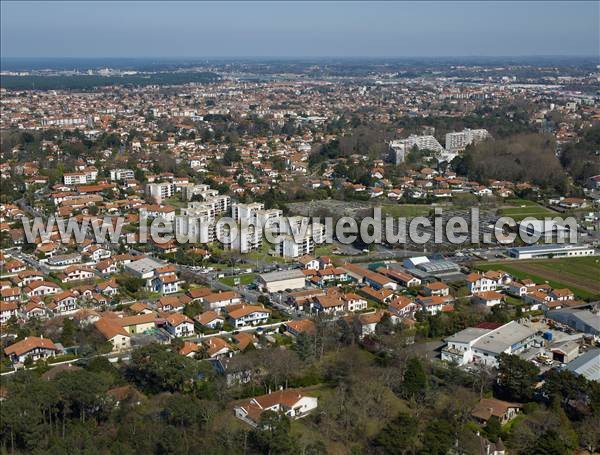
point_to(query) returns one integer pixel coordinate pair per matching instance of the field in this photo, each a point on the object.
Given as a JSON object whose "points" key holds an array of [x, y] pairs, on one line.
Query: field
{"points": [[405, 210], [581, 275], [524, 208], [245, 279]]}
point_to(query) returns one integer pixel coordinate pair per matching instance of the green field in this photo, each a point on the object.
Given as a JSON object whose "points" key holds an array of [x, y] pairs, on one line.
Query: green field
{"points": [[524, 208], [581, 275], [245, 279]]}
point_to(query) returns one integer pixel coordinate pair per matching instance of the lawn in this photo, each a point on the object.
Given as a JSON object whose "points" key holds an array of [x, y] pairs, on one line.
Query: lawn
{"points": [[578, 274], [245, 279], [263, 254], [175, 202]]}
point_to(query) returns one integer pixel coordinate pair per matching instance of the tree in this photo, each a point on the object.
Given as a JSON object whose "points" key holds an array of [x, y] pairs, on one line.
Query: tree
{"points": [[550, 443], [516, 378], [493, 428], [273, 434], [67, 337], [398, 437], [231, 156], [155, 369], [305, 346], [415, 379], [438, 438]]}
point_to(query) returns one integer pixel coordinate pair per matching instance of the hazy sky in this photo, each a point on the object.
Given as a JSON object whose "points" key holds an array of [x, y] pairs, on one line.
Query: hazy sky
{"points": [[159, 29]]}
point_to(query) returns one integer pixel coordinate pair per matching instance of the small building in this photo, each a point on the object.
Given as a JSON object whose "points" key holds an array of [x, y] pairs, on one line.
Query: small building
{"points": [[291, 402], [33, 348], [487, 298], [242, 315], [112, 331], [281, 281], [179, 325], [487, 408]]}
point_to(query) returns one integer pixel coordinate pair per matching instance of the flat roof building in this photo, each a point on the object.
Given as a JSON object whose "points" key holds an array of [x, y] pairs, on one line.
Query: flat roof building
{"points": [[280, 281], [587, 365], [548, 251]]}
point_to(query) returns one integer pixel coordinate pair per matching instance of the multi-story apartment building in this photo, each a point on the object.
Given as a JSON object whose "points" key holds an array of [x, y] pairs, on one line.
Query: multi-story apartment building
{"points": [[400, 148], [87, 175], [121, 174], [459, 140], [158, 192]]}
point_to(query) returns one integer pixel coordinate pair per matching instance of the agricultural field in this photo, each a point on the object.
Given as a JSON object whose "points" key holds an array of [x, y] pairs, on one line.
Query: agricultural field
{"points": [[522, 208], [581, 275]]}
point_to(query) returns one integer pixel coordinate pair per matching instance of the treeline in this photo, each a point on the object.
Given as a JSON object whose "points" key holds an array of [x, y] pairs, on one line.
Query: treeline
{"points": [[582, 159], [84, 82], [521, 158]]}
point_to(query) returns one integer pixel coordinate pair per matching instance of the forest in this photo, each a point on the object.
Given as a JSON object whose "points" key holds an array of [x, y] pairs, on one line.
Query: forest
{"points": [[519, 158], [380, 394]]}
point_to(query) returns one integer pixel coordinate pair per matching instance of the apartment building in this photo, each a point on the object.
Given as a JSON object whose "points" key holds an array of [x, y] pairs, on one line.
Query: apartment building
{"points": [[459, 140], [158, 192], [400, 148], [121, 174]]}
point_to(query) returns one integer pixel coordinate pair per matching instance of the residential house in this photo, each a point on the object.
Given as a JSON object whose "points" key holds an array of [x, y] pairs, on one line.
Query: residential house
{"points": [[402, 307], [291, 402], [33, 348], [222, 299], [210, 319], [241, 315], [217, 347], [8, 310], [179, 325], [487, 298], [114, 333], [487, 408]]}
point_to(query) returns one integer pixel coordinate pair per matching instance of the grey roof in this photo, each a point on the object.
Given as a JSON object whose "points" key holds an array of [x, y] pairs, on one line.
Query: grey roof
{"points": [[467, 335], [587, 364], [144, 265], [438, 266], [281, 275], [499, 340], [577, 318]]}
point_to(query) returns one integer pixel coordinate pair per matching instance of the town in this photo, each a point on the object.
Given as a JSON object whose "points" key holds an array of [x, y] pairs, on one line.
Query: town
{"points": [[288, 339]]}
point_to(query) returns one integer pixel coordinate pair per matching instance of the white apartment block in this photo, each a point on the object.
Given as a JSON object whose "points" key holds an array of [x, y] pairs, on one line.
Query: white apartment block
{"points": [[121, 174], [160, 191], [88, 175], [246, 212], [400, 148], [246, 240], [64, 121], [301, 244], [74, 178], [197, 223], [459, 140]]}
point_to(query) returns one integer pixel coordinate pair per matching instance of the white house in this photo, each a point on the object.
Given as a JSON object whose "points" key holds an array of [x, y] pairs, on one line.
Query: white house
{"points": [[179, 325], [291, 402]]}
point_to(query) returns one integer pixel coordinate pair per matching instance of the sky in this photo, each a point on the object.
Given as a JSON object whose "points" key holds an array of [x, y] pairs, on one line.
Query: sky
{"points": [[298, 29]]}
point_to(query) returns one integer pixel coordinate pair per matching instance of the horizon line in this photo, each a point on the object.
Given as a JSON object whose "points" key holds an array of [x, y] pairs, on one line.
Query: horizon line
{"points": [[3, 57]]}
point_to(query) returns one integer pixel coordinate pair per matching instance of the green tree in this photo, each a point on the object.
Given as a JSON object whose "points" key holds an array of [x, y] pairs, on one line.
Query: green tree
{"points": [[516, 378], [414, 382], [400, 436], [273, 434]]}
